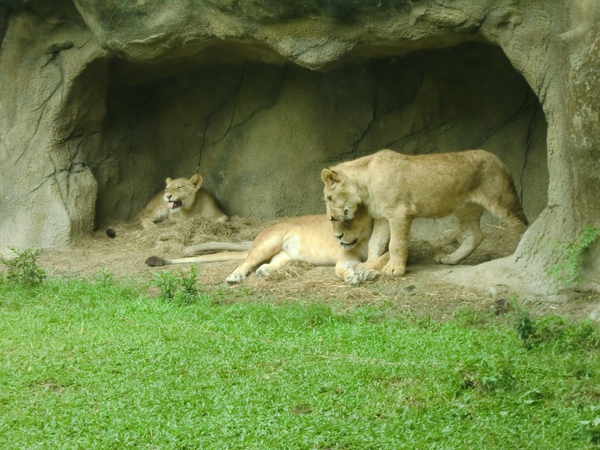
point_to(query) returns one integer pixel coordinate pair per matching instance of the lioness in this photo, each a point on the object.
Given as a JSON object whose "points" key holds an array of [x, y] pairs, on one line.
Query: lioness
{"points": [[397, 188], [181, 199], [305, 238]]}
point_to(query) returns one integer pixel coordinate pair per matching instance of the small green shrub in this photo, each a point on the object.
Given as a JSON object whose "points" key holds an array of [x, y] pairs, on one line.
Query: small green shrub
{"points": [[524, 324], [104, 278], [177, 286], [23, 268], [485, 375], [568, 270], [555, 330]]}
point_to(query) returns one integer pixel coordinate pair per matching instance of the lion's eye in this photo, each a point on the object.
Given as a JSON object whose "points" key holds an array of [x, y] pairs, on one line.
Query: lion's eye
{"points": [[329, 199]]}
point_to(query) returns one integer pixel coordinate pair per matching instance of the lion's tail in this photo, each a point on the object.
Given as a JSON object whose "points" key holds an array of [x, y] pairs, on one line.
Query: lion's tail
{"points": [[214, 257], [512, 214], [214, 247]]}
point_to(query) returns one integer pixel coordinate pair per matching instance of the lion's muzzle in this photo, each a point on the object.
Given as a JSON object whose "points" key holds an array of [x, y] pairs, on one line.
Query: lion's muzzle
{"points": [[348, 245]]}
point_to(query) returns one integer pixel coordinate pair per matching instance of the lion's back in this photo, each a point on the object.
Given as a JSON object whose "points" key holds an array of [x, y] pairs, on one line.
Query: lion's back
{"points": [[430, 185], [207, 206]]}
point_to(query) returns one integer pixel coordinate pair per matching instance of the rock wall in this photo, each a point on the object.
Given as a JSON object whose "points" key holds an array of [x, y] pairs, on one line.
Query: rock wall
{"points": [[261, 133], [101, 100], [51, 92]]}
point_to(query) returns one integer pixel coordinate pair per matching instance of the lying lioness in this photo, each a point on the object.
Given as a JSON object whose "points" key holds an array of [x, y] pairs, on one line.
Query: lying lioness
{"points": [[396, 188], [305, 238], [181, 199]]}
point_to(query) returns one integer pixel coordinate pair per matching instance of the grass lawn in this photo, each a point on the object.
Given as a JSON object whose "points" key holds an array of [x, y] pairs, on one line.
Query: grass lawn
{"points": [[102, 365]]}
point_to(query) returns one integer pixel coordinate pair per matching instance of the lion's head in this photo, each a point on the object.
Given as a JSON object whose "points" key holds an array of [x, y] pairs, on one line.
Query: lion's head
{"points": [[351, 232], [340, 196], [181, 192]]}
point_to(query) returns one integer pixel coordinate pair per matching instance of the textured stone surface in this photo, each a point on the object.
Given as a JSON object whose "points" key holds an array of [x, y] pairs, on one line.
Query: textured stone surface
{"points": [[262, 133], [101, 100]]}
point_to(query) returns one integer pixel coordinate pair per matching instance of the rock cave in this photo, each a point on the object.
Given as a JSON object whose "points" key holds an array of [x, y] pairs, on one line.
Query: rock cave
{"points": [[101, 101]]}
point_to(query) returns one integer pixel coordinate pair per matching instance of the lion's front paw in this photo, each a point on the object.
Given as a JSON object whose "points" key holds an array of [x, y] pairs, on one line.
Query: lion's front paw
{"points": [[368, 274], [363, 267], [236, 277], [393, 270], [353, 280], [368, 271]]}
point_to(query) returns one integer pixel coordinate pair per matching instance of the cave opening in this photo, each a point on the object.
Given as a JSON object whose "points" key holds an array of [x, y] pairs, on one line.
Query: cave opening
{"points": [[261, 133]]}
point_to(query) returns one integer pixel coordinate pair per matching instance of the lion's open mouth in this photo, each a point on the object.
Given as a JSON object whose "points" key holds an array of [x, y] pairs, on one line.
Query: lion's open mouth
{"points": [[349, 245], [175, 205]]}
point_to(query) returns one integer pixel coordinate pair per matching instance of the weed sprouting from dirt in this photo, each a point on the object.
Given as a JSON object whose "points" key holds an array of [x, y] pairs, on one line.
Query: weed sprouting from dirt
{"points": [[554, 330], [23, 268], [177, 286]]}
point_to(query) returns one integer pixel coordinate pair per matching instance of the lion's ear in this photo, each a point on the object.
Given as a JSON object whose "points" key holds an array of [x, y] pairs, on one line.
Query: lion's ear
{"points": [[196, 180], [330, 177], [168, 180]]}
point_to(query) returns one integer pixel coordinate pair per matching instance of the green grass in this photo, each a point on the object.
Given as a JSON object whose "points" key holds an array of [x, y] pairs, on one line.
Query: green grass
{"points": [[101, 365]]}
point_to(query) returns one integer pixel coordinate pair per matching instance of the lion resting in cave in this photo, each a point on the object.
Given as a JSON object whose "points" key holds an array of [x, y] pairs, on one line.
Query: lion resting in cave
{"points": [[181, 199], [305, 238], [397, 188]]}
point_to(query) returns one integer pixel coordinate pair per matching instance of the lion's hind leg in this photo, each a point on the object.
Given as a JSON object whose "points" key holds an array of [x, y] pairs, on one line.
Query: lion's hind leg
{"points": [[499, 196], [276, 263], [470, 233], [264, 248]]}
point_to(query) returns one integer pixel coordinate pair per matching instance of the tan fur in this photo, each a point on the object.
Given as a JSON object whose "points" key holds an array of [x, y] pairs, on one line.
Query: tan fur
{"points": [[305, 238], [189, 194], [397, 188]]}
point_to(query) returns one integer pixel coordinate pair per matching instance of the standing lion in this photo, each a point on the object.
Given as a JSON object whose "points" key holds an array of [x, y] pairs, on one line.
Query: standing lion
{"points": [[397, 188]]}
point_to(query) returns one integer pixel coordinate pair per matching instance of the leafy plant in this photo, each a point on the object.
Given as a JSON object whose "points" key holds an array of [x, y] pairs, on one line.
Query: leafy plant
{"points": [[485, 375], [178, 287], [568, 270], [524, 324], [555, 330], [23, 268], [104, 278]]}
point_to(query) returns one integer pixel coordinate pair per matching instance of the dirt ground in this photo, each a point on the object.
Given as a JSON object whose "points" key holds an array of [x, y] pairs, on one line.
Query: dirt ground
{"points": [[427, 289]]}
